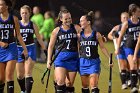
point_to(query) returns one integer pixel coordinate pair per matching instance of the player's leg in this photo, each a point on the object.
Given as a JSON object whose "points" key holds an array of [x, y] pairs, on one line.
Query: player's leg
{"points": [[2, 76], [133, 73], [70, 81], [60, 74], [85, 83], [94, 78], [21, 75], [123, 73], [29, 64], [128, 75], [10, 67]]}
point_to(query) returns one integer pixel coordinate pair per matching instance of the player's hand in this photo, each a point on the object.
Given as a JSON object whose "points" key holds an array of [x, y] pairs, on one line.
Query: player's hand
{"points": [[104, 38], [25, 52], [135, 59], [116, 51], [4, 45], [48, 64]]}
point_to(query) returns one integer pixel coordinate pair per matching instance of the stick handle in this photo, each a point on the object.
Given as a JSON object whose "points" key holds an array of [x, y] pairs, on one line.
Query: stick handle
{"points": [[110, 75]]}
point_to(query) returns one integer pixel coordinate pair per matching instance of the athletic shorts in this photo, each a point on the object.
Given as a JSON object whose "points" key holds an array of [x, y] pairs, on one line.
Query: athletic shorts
{"points": [[89, 66], [130, 51], [9, 53], [122, 55], [31, 52], [67, 60]]}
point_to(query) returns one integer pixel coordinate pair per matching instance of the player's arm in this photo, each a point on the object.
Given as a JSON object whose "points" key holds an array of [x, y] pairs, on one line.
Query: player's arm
{"points": [[122, 32], [137, 48], [78, 28], [110, 35], [19, 37], [101, 44], [51, 45], [38, 37]]}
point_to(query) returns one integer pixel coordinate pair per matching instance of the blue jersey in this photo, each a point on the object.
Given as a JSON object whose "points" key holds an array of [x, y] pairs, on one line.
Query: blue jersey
{"points": [[70, 37], [68, 57], [88, 46], [132, 34], [7, 28], [27, 33]]}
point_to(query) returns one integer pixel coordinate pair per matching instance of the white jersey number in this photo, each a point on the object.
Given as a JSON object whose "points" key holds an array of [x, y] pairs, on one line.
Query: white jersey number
{"points": [[136, 34], [4, 34], [88, 54], [25, 37], [68, 44]]}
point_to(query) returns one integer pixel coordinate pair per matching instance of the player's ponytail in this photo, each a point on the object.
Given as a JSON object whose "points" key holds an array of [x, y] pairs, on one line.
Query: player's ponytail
{"points": [[90, 17], [132, 9]]}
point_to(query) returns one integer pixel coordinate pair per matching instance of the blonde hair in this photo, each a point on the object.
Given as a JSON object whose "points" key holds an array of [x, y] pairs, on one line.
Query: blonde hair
{"points": [[26, 7], [125, 13]]}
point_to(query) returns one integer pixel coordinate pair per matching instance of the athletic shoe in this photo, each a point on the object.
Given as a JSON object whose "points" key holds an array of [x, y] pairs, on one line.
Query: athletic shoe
{"points": [[134, 90], [22, 92], [124, 86]]}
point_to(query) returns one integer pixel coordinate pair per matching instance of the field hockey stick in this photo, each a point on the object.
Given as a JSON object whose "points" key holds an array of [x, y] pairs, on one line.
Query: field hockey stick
{"points": [[115, 45], [42, 79], [110, 75], [47, 81]]}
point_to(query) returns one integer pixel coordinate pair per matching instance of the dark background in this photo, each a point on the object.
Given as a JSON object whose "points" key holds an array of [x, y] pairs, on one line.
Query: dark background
{"points": [[110, 9]]}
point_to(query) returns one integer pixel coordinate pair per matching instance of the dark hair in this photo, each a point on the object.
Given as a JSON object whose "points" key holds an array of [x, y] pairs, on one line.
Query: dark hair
{"points": [[8, 3], [90, 17], [58, 21], [132, 8]]}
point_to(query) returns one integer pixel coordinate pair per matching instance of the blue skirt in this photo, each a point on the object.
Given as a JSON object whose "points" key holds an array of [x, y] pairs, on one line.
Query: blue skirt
{"points": [[130, 51], [67, 60], [10, 53], [31, 52], [89, 66], [122, 55]]}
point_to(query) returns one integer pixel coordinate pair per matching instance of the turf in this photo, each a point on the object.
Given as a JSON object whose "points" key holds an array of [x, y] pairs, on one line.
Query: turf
{"points": [[103, 82]]}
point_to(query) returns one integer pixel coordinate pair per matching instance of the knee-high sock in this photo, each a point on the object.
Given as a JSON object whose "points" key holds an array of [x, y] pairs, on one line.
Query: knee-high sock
{"points": [[28, 84], [10, 87], [85, 90], [134, 78], [61, 89], [123, 76], [2, 87], [21, 83]]}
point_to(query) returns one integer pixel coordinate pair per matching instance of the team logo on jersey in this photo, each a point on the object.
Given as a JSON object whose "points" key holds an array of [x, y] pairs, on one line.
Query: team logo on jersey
{"points": [[133, 29], [26, 31], [67, 36], [6, 26], [84, 43]]}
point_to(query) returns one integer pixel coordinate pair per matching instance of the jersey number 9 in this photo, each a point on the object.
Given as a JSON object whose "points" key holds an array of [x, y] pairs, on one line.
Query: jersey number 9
{"points": [[88, 54]]}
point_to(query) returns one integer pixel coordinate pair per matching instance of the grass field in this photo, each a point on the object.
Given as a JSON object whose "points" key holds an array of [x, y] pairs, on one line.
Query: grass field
{"points": [[103, 82]]}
